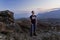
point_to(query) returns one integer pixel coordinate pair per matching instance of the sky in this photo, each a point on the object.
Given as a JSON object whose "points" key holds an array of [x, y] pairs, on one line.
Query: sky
{"points": [[28, 5]]}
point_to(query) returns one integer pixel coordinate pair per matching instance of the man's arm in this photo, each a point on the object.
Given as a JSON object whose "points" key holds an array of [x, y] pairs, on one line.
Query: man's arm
{"points": [[36, 20]]}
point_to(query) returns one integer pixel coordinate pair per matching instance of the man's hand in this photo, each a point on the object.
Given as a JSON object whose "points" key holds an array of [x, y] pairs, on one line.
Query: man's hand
{"points": [[30, 22], [36, 21]]}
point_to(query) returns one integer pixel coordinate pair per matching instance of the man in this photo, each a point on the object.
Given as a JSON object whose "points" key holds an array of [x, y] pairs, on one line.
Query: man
{"points": [[33, 24]]}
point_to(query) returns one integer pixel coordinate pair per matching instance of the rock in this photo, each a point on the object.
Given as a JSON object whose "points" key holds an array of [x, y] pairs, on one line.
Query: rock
{"points": [[8, 26], [7, 16]]}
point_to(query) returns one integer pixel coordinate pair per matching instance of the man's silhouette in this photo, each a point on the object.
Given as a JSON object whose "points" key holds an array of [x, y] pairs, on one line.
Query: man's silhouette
{"points": [[33, 24]]}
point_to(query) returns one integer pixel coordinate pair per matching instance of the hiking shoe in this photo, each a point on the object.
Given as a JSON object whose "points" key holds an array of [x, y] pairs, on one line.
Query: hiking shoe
{"points": [[35, 34]]}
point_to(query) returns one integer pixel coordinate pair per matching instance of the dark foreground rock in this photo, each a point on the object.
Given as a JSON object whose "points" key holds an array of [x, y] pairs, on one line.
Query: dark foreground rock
{"points": [[8, 27]]}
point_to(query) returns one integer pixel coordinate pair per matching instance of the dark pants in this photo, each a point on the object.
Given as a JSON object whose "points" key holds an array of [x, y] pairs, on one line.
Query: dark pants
{"points": [[33, 29]]}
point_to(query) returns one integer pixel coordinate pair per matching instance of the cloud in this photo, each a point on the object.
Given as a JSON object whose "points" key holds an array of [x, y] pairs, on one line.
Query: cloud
{"points": [[29, 5]]}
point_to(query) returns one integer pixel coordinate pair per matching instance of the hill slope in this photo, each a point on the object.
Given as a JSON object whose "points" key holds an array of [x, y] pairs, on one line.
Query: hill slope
{"points": [[51, 14]]}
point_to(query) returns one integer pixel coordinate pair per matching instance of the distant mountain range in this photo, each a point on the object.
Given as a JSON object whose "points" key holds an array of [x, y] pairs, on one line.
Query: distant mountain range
{"points": [[49, 14], [53, 13], [21, 15]]}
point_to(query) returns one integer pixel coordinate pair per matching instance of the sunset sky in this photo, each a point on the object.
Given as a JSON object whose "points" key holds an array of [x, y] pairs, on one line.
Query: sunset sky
{"points": [[28, 5]]}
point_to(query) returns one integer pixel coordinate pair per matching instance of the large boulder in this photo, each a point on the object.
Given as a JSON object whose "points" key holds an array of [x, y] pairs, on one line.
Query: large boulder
{"points": [[7, 21], [7, 16]]}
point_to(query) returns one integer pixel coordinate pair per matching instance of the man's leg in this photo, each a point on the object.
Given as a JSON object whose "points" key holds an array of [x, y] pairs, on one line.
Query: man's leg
{"points": [[34, 29], [31, 30]]}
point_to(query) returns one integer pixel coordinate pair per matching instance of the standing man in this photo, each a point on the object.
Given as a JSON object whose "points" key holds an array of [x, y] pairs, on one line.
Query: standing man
{"points": [[33, 21]]}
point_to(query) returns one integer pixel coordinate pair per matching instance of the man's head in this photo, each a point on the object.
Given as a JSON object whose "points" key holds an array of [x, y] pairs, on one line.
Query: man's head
{"points": [[32, 12]]}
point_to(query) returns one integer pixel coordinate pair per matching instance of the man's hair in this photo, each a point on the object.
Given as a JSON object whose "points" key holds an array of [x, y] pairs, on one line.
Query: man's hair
{"points": [[32, 11]]}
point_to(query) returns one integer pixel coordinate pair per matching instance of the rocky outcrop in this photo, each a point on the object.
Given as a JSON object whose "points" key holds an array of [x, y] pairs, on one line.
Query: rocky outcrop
{"points": [[8, 27], [7, 16], [6, 19]]}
